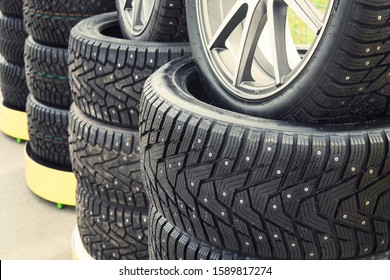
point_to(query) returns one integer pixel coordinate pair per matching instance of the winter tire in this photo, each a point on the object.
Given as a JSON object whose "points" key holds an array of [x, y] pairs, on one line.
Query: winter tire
{"points": [[153, 20], [111, 231], [342, 76], [13, 85], [12, 37], [168, 242], [106, 160], [262, 188], [12, 8], [107, 72], [50, 21], [47, 74], [48, 131]]}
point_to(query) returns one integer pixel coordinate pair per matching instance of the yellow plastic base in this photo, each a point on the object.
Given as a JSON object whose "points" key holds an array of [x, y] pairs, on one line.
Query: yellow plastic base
{"points": [[54, 185], [78, 250], [13, 123]]}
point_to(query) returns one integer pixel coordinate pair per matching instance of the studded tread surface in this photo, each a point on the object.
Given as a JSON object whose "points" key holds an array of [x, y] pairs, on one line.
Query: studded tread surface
{"points": [[48, 132], [258, 187], [107, 73], [111, 231], [47, 74], [167, 22], [168, 242], [13, 85], [347, 80], [12, 37], [106, 160], [50, 21], [12, 7]]}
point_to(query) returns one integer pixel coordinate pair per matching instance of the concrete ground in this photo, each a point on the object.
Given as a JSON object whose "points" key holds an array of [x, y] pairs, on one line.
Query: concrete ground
{"points": [[30, 227]]}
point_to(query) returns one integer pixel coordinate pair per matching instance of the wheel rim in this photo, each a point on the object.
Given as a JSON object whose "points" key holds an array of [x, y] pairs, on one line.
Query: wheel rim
{"points": [[239, 37], [136, 14]]}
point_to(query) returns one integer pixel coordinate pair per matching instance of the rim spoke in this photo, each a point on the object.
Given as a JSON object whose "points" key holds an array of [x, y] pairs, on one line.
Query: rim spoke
{"points": [[137, 13], [307, 12], [253, 27], [277, 17], [236, 15]]}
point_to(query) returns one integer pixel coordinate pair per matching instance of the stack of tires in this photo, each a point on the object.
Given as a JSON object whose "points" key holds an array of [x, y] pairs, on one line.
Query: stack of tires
{"points": [[48, 164], [13, 117], [283, 153], [107, 73]]}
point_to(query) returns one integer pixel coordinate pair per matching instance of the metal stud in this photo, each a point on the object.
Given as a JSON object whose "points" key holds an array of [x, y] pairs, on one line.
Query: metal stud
{"points": [[289, 196]]}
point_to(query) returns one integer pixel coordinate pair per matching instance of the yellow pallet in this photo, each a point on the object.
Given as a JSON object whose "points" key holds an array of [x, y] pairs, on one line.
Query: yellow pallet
{"points": [[13, 123], [51, 184], [78, 250]]}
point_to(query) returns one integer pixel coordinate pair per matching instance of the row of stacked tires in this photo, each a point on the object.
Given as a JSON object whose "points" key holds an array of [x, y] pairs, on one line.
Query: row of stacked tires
{"points": [[238, 152], [12, 74], [190, 170], [46, 54]]}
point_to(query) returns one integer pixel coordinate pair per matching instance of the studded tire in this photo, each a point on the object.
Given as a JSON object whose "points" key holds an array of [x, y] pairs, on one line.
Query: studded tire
{"points": [[12, 7], [106, 160], [111, 231], [112, 207], [107, 72], [262, 188], [48, 132], [47, 74], [166, 22], [12, 37], [50, 21], [13, 85], [169, 242], [344, 80]]}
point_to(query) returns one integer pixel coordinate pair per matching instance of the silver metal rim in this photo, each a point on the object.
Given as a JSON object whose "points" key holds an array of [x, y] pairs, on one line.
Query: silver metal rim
{"points": [[240, 39], [136, 14]]}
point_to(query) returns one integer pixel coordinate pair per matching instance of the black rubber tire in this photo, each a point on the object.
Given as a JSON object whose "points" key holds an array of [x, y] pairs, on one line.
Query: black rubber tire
{"points": [[259, 187], [107, 73], [13, 85], [168, 242], [50, 21], [337, 85], [12, 8], [47, 74], [48, 132], [111, 231], [167, 23], [12, 37], [106, 160]]}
